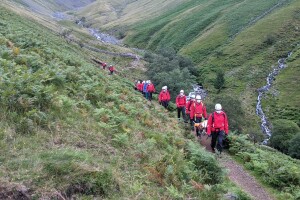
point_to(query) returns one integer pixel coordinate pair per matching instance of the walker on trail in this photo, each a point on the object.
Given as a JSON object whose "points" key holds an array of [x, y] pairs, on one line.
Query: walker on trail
{"points": [[181, 103], [111, 69], [217, 127], [150, 90], [164, 97], [197, 113], [188, 111], [103, 65]]}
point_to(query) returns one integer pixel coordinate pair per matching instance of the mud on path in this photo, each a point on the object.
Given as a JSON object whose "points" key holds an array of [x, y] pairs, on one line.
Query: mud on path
{"points": [[238, 175]]}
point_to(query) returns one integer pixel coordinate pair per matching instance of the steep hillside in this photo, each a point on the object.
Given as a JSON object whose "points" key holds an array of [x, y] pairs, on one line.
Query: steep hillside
{"points": [[69, 130], [243, 38], [49, 7]]}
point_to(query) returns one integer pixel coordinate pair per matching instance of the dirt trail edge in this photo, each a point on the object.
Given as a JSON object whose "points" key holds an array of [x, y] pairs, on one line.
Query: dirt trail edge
{"points": [[239, 176]]}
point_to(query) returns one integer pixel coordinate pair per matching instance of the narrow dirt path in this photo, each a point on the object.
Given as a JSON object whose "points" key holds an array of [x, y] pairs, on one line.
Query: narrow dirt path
{"points": [[239, 176]]}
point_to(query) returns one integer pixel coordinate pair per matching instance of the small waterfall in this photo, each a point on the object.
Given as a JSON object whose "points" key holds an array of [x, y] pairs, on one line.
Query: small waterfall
{"points": [[104, 37], [265, 126]]}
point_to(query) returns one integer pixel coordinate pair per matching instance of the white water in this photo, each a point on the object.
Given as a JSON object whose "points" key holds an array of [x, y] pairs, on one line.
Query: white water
{"points": [[265, 126], [104, 37]]}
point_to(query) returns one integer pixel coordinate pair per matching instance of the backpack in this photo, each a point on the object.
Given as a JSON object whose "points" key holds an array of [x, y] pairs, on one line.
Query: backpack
{"points": [[195, 105], [226, 141]]}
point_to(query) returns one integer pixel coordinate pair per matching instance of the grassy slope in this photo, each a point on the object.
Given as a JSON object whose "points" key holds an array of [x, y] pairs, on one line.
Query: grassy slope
{"points": [[243, 38], [68, 128]]}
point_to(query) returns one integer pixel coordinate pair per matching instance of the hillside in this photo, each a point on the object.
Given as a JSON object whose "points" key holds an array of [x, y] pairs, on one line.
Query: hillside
{"points": [[49, 7], [244, 39], [69, 130]]}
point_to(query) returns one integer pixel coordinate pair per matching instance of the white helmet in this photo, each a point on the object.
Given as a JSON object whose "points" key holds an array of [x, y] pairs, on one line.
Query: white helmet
{"points": [[193, 96], [218, 107], [181, 91], [164, 88], [198, 97]]}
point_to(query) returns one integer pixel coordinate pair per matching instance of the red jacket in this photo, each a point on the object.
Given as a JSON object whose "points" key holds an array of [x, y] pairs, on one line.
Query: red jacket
{"points": [[180, 101], [112, 68], [150, 88], [217, 121], [198, 110], [164, 96], [188, 106], [140, 86], [103, 65]]}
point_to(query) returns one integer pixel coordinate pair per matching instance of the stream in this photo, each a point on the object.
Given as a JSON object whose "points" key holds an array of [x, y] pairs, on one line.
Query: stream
{"points": [[265, 126], [104, 37]]}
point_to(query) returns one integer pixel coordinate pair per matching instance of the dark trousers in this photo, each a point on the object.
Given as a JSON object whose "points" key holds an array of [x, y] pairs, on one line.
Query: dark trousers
{"points": [[165, 104], [181, 110], [150, 96], [198, 120], [147, 95], [111, 72], [217, 136], [192, 124]]}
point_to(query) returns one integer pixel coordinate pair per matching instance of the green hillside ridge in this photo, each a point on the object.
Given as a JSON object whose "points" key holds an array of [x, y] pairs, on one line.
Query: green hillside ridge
{"points": [[70, 130], [229, 42], [242, 38]]}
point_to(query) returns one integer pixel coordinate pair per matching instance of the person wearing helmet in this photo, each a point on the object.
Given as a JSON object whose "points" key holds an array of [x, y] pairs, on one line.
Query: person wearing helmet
{"points": [[151, 90], [145, 91], [103, 65], [181, 103], [139, 86], [111, 69], [217, 127], [198, 112], [188, 110], [142, 87], [164, 97]]}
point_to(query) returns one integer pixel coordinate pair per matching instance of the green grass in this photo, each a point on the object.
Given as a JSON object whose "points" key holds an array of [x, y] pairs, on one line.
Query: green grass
{"points": [[277, 171], [70, 129]]}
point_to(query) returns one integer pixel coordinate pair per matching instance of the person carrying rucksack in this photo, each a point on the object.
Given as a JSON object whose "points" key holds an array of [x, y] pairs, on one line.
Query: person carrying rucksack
{"points": [[198, 112], [111, 69], [151, 90], [140, 86], [217, 127], [145, 91], [181, 103], [188, 110], [136, 84], [103, 65], [164, 97]]}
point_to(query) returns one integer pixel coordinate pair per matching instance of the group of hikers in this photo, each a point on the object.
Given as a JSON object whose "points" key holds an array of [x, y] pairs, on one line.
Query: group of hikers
{"points": [[193, 111], [146, 88], [111, 68]]}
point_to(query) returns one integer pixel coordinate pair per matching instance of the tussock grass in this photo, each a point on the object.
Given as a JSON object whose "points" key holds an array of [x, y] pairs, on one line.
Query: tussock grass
{"points": [[70, 130]]}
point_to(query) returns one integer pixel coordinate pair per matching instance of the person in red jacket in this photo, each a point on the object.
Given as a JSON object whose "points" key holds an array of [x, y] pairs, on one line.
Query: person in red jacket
{"points": [[136, 83], [103, 65], [140, 86], [217, 126], [111, 69], [198, 112], [164, 97], [151, 90], [188, 110], [181, 103]]}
